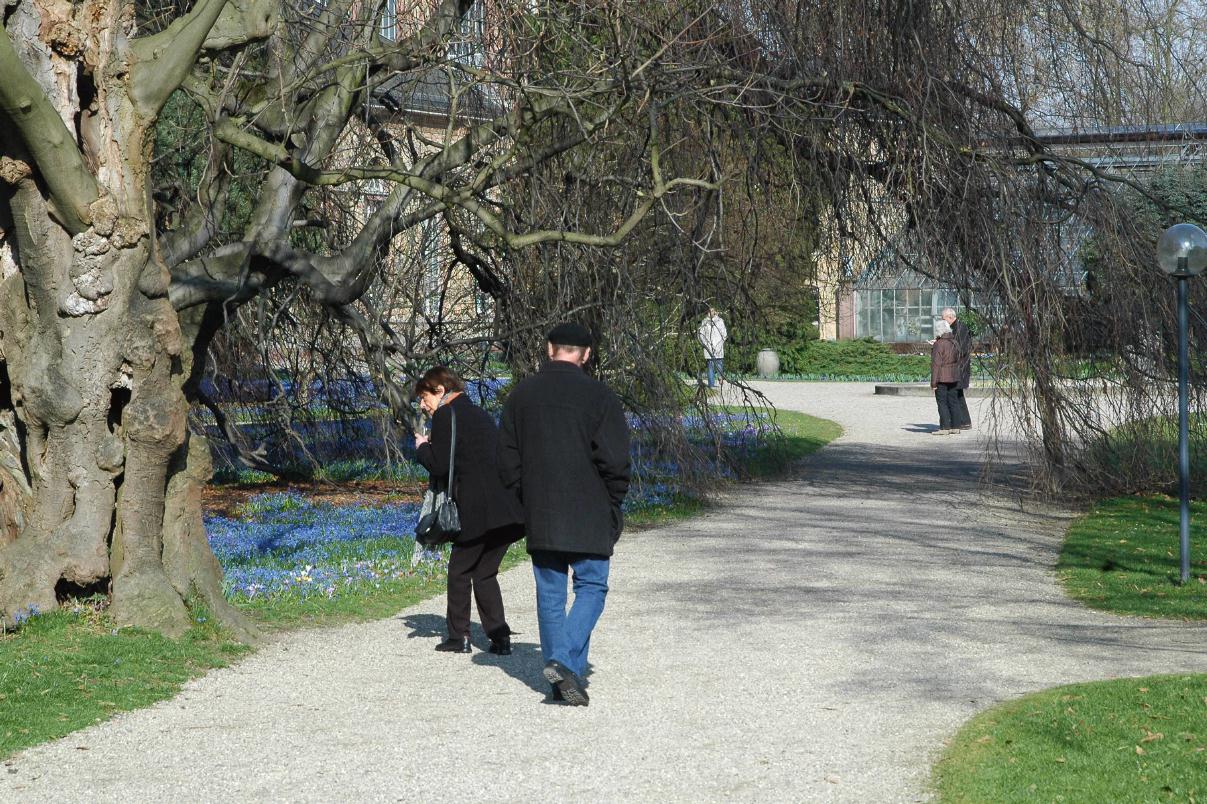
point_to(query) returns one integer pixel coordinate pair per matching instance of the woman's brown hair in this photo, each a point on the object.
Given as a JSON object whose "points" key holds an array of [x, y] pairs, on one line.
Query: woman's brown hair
{"points": [[439, 376]]}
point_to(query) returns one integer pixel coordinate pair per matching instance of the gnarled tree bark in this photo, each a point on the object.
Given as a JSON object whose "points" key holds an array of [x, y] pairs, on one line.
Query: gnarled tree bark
{"points": [[99, 481]]}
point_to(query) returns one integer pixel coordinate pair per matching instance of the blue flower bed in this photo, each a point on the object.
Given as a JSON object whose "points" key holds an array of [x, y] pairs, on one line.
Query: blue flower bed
{"points": [[284, 544]]}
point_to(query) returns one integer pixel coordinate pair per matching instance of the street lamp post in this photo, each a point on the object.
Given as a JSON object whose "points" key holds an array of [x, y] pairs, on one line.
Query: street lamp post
{"points": [[1182, 253]]}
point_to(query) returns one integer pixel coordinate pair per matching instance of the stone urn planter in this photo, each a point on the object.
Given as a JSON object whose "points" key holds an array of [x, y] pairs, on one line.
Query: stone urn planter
{"points": [[767, 363]]}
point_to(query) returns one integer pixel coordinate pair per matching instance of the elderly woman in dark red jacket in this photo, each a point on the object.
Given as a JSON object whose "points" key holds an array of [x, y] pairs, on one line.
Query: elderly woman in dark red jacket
{"points": [[945, 378], [490, 516]]}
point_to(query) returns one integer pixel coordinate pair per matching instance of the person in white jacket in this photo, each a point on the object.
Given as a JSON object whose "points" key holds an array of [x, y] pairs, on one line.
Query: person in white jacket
{"points": [[712, 336]]}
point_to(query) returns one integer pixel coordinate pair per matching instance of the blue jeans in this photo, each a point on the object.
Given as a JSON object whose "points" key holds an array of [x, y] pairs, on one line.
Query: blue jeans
{"points": [[566, 637], [714, 370]]}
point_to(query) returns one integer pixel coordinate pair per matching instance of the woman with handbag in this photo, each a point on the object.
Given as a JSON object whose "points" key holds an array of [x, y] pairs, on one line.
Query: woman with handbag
{"points": [[462, 445]]}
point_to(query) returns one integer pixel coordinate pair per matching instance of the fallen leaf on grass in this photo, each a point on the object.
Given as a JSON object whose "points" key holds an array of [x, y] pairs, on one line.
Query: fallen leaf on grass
{"points": [[1140, 751], [1149, 736]]}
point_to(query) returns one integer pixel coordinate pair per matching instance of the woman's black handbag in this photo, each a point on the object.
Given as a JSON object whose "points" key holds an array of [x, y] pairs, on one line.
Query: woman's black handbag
{"points": [[439, 519]]}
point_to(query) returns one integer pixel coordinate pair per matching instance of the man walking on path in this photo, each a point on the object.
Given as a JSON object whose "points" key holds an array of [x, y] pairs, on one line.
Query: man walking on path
{"points": [[564, 449], [963, 419], [712, 337]]}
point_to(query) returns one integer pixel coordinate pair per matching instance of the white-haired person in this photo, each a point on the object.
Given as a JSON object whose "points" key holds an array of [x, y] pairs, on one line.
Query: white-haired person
{"points": [[945, 377], [960, 331]]}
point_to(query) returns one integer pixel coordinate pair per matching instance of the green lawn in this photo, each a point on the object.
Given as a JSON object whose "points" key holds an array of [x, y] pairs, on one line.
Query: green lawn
{"points": [[802, 435], [1123, 557], [1143, 455], [1128, 740], [67, 671]]}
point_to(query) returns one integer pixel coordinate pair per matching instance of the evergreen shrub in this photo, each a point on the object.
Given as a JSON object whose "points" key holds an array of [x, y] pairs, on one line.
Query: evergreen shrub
{"points": [[864, 359]]}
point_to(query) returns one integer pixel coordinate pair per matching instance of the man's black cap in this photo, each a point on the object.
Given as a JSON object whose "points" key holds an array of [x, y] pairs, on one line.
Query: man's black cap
{"points": [[570, 335]]}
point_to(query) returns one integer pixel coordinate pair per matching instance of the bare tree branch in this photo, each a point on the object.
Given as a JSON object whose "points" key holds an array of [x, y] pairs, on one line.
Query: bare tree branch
{"points": [[58, 159]]}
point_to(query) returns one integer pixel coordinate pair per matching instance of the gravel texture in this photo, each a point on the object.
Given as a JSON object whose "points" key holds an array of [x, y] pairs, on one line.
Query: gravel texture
{"points": [[811, 640]]}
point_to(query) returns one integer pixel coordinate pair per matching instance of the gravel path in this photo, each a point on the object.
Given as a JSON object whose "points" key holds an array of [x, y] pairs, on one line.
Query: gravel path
{"points": [[812, 640]]}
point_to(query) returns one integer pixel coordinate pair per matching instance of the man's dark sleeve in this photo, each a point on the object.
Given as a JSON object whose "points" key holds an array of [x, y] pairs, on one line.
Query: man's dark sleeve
{"points": [[610, 450], [433, 455], [964, 337], [508, 452]]}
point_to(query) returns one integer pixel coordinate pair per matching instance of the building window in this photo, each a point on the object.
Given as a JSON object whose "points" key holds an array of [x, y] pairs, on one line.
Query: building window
{"points": [[432, 289], [389, 20], [468, 42], [896, 315]]}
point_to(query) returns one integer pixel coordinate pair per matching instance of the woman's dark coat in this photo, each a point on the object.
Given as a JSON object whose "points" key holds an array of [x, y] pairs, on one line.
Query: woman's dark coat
{"points": [[944, 360], [481, 499]]}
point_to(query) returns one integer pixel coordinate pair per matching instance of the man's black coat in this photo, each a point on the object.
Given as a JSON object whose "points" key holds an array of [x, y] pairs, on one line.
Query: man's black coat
{"points": [[964, 342], [564, 449], [481, 499]]}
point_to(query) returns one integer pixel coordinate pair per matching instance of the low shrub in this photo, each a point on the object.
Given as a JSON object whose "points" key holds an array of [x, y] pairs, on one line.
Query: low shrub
{"points": [[864, 359]]}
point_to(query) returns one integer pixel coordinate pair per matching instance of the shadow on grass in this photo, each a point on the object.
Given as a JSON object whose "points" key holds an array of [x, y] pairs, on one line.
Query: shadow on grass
{"points": [[1124, 557]]}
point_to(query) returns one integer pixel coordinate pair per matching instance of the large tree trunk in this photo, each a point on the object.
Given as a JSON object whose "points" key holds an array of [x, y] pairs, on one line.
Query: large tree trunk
{"points": [[101, 487], [99, 480]]}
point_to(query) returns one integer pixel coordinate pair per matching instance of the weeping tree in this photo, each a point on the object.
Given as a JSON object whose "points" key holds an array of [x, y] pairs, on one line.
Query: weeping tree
{"points": [[1055, 241], [115, 288], [621, 162], [937, 137]]}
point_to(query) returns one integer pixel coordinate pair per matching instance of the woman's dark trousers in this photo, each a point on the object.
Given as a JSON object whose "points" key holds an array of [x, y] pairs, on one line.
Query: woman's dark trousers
{"points": [[947, 397], [474, 566]]}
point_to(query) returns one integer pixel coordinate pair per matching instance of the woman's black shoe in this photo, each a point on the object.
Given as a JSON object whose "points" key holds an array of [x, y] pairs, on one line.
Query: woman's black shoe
{"points": [[500, 640], [455, 645]]}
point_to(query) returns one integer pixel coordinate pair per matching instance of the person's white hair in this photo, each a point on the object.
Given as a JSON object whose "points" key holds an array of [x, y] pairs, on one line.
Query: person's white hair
{"points": [[948, 311], [941, 328]]}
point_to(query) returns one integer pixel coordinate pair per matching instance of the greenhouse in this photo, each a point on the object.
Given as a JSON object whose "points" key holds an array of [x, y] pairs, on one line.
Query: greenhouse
{"points": [[900, 309]]}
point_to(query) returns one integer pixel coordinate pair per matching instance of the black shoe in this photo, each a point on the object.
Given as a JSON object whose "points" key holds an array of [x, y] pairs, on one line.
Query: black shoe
{"points": [[570, 686], [500, 641], [555, 694], [455, 645]]}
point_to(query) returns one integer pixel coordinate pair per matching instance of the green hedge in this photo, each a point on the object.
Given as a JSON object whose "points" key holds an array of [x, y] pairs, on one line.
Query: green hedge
{"points": [[862, 360]]}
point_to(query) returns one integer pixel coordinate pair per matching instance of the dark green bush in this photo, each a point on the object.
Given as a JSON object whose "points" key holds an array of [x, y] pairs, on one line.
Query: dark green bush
{"points": [[864, 359], [789, 340]]}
